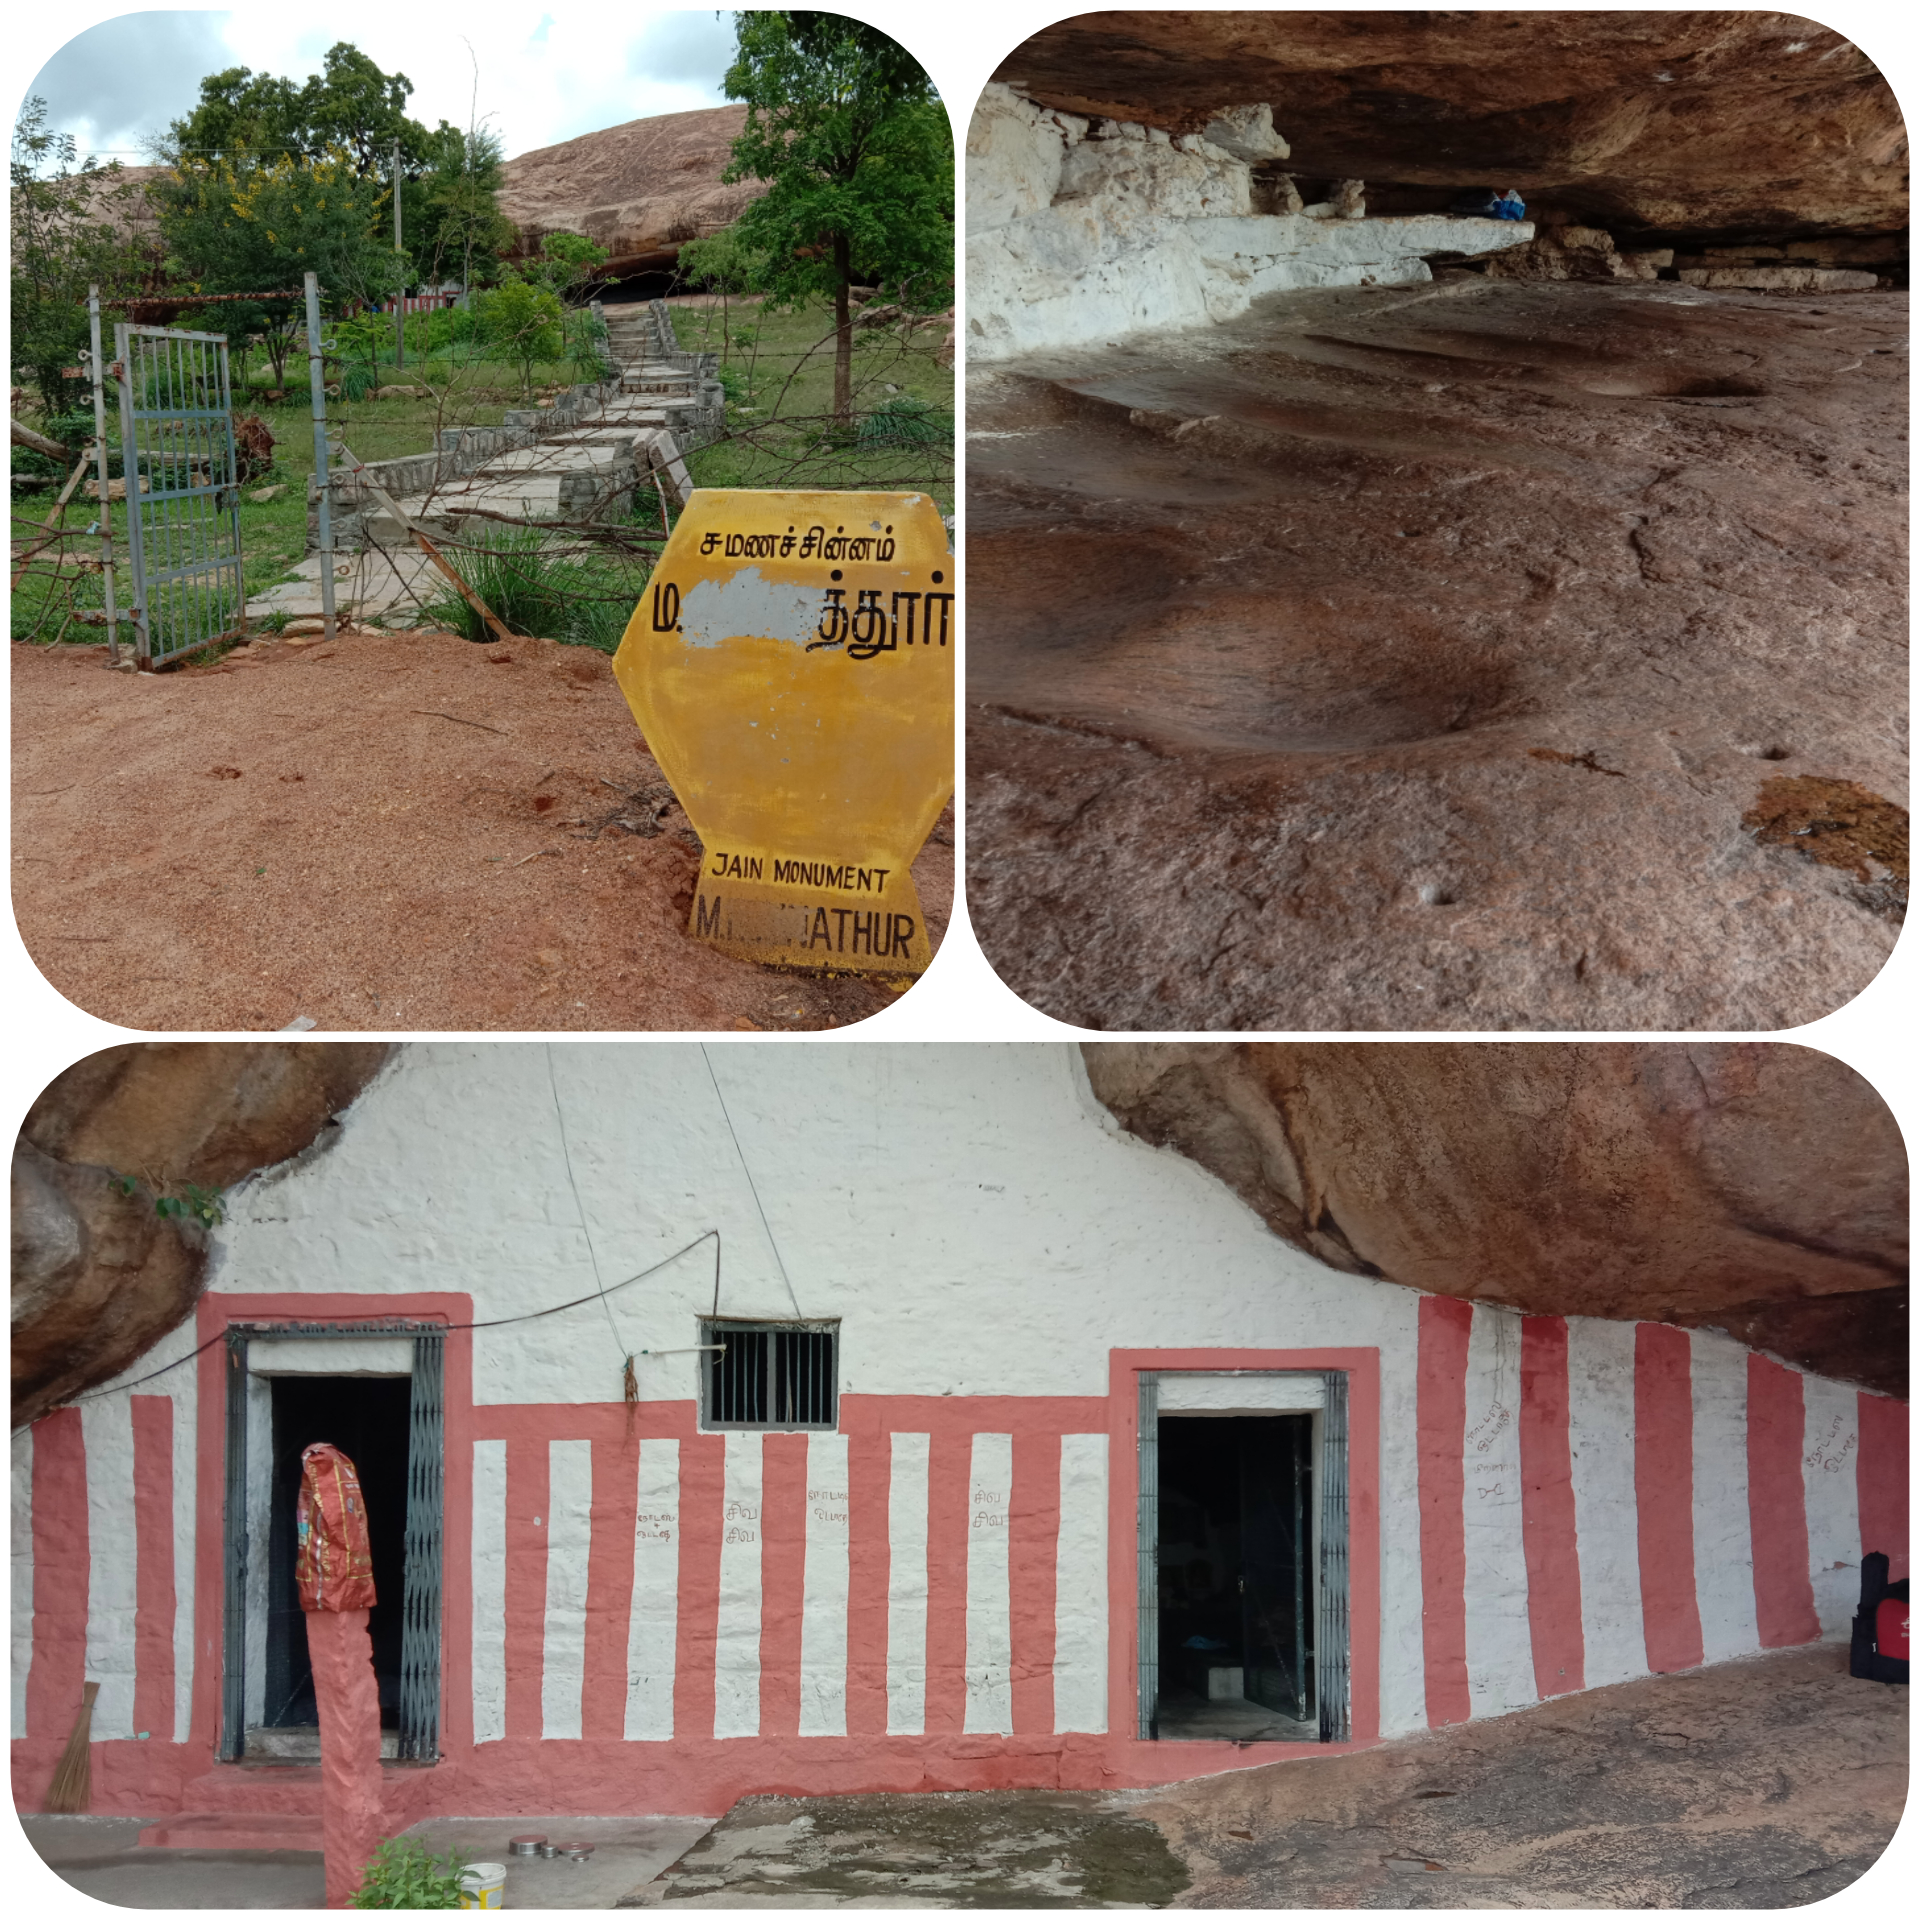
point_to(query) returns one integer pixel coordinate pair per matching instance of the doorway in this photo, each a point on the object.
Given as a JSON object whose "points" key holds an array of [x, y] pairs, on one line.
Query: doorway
{"points": [[1235, 1569], [1242, 1553], [376, 1390], [367, 1421]]}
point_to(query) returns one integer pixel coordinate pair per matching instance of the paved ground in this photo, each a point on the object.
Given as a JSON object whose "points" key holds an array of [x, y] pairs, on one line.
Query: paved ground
{"points": [[924, 1850], [626, 1852], [100, 1856], [1771, 1782]]}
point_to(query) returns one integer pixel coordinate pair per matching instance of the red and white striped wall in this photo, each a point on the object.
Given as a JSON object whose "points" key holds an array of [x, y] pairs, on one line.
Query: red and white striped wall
{"points": [[1603, 1499], [642, 1616]]}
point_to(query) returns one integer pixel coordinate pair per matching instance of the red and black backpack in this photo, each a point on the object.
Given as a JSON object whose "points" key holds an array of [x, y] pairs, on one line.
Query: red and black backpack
{"points": [[1880, 1627]]}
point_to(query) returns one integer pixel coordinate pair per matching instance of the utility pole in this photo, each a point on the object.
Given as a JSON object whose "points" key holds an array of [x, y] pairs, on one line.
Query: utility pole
{"points": [[400, 297]]}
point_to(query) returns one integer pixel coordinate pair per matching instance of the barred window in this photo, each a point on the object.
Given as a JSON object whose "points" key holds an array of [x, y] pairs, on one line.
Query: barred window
{"points": [[775, 1375]]}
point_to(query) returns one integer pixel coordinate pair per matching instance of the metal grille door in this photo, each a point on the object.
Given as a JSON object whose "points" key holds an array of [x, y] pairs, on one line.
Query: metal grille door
{"points": [[1149, 1553], [1334, 1664], [183, 499], [420, 1636]]}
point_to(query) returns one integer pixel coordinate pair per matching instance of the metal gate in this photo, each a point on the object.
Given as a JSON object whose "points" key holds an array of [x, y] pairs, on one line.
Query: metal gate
{"points": [[183, 495], [419, 1730]]}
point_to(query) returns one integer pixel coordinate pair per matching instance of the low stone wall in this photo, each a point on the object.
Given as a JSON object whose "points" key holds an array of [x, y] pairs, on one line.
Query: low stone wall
{"points": [[706, 419], [1090, 230], [458, 451]]}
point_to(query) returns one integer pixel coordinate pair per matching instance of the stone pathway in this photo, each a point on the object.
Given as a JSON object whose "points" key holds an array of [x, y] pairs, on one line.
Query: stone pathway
{"points": [[366, 585], [586, 468]]}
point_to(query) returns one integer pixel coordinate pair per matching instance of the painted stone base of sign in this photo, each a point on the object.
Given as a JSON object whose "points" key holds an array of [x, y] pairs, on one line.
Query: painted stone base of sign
{"points": [[791, 666], [810, 913]]}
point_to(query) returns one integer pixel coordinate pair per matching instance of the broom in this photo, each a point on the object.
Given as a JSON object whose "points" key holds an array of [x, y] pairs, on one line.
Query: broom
{"points": [[73, 1778]]}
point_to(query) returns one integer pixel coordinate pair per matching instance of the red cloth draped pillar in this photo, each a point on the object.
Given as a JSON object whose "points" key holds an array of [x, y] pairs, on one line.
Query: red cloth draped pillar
{"points": [[349, 1698]]}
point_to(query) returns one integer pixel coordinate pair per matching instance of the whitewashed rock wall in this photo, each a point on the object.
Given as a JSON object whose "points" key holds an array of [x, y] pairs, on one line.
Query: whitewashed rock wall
{"points": [[1084, 232]]}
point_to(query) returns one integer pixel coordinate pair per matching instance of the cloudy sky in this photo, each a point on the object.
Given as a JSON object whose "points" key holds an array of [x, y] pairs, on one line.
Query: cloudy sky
{"points": [[542, 76]]}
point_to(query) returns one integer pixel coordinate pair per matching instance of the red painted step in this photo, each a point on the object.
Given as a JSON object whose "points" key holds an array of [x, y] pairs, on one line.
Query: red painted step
{"points": [[258, 1831]]}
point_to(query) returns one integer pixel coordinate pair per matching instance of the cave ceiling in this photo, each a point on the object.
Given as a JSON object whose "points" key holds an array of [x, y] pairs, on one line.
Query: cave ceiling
{"points": [[1744, 124]]}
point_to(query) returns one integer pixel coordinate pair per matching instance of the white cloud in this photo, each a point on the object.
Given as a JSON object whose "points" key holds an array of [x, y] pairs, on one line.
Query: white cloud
{"points": [[542, 77]]}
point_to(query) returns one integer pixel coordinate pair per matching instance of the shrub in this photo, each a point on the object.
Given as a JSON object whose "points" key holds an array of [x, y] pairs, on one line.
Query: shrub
{"points": [[402, 1873]]}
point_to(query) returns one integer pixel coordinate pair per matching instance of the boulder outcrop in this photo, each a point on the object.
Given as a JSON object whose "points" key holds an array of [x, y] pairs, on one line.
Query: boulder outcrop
{"points": [[117, 1166], [639, 189], [1758, 1188]]}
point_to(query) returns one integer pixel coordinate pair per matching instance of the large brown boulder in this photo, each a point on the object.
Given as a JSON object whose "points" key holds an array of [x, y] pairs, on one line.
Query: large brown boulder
{"points": [[100, 1272], [1747, 122], [639, 189], [1759, 1188]]}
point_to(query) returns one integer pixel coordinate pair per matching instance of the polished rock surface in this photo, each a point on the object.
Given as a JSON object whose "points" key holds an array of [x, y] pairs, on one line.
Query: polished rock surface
{"points": [[1419, 658]]}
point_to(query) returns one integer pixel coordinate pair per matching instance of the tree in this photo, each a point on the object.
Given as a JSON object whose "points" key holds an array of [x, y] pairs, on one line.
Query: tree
{"points": [[257, 226], [351, 108], [459, 221], [846, 127], [448, 180], [60, 244], [525, 321], [565, 260]]}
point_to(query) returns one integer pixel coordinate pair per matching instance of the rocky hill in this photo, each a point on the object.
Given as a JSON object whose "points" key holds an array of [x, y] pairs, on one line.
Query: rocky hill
{"points": [[639, 189]]}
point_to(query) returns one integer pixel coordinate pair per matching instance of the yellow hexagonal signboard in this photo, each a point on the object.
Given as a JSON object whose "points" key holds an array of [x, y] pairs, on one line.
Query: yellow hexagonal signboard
{"points": [[791, 665]]}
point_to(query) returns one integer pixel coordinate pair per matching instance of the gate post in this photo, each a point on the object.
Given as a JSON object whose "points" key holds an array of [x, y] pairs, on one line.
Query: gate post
{"points": [[123, 338], [98, 367], [317, 381]]}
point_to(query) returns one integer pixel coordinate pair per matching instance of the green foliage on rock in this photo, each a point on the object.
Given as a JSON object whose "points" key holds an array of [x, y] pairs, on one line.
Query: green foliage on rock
{"points": [[724, 262], [845, 126]]}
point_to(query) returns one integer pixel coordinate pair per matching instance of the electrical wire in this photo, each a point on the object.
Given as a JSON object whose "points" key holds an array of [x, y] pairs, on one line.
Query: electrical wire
{"points": [[455, 1326], [752, 1189], [566, 1155]]}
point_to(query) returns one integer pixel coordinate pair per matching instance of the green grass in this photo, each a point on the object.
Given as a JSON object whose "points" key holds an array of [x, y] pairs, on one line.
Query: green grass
{"points": [[779, 369], [544, 584]]}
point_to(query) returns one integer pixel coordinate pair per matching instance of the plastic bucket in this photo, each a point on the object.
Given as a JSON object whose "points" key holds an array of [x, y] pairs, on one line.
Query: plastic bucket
{"points": [[484, 1884]]}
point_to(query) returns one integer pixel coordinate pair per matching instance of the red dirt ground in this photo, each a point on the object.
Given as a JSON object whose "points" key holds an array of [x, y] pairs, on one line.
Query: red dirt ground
{"points": [[382, 832]]}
